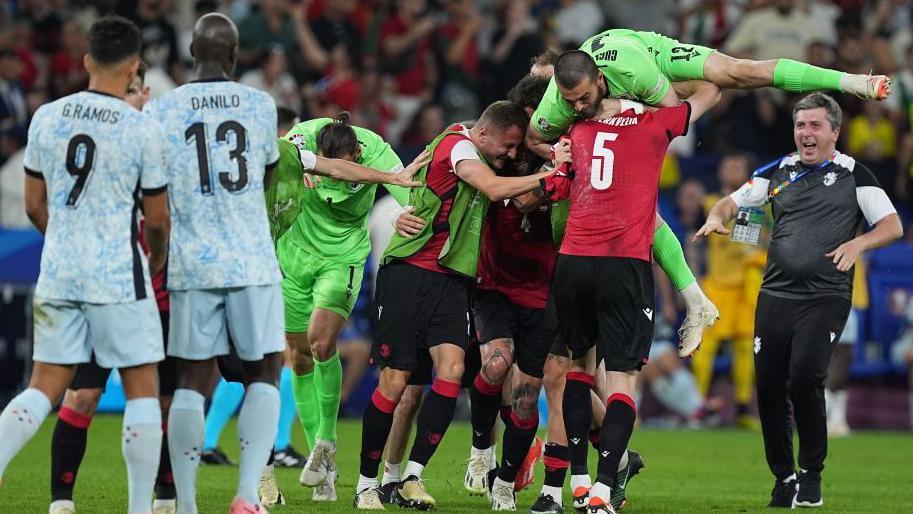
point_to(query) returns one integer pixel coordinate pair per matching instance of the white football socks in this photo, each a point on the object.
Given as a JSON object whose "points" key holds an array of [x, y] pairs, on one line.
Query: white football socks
{"points": [[258, 422], [141, 444], [185, 444], [19, 422]]}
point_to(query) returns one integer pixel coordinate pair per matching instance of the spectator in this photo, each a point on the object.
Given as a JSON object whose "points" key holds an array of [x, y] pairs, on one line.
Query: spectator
{"points": [[459, 60], [334, 28], [514, 43], [272, 76], [577, 20], [160, 43], [872, 138], [13, 107], [707, 23], [406, 50], [373, 110], [269, 25], [68, 74], [12, 183], [780, 31], [427, 123]]}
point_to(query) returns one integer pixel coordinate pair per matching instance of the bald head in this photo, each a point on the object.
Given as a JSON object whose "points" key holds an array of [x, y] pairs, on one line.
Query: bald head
{"points": [[215, 41]]}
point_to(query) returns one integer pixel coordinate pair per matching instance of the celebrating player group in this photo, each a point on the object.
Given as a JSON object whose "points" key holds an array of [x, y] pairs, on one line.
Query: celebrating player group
{"points": [[522, 259]]}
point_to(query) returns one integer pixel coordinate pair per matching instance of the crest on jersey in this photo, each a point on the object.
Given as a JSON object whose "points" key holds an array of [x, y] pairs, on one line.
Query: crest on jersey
{"points": [[792, 175], [830, 178], [543, 123], [298, 140]]}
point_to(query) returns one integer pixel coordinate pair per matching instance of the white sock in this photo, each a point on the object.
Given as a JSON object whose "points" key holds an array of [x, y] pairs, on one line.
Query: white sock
{"points": [[141, 444], [828, 404], [498, 482], [413, 469], [329, 444], [838, 414], [392, 473], [492, 457], [473, 451], [365, 483], [601, 491], [623, 461], [554, 492], [258, 422], [19, 422], [693, 296], [580, 481], [185, 443]]}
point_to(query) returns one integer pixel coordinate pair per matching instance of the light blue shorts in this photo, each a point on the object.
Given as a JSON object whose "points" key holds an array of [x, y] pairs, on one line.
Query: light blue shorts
{"points": [[203, 319], [122, 335]]}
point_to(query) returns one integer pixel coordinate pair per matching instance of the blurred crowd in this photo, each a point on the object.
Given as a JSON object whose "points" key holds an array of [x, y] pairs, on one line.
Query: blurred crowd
{"points": [[407, 68]]}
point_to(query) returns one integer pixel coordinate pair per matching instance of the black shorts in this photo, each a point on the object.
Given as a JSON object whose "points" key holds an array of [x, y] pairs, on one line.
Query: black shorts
{"points": [[557, 345], [607, 302], [92, 376], [417, 309], [497, 317]]}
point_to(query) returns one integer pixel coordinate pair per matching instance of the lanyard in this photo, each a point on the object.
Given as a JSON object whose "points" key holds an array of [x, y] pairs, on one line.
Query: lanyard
{"points": [[788, 182]]}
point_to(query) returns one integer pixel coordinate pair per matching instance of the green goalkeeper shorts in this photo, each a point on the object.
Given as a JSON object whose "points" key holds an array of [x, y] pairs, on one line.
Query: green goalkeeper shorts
{"points": [[310, 281]]}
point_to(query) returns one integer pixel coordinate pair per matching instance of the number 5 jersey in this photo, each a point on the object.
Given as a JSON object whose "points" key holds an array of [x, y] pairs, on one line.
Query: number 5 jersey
{"points": [[220, 137]]}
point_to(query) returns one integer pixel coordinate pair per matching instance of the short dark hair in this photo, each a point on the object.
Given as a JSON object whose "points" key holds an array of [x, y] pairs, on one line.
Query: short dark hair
{"points": [[529, 91], [546, 58], [503, 115], [337, 139], [285, 116], [113, 39], [821, 100], [141, 71], [572, 67]]}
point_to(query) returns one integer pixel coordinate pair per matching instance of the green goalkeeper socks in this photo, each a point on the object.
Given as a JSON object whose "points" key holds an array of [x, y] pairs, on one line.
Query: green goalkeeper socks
{"points": [[328, 383], [306, 402], [667, 251], [798, 77]]}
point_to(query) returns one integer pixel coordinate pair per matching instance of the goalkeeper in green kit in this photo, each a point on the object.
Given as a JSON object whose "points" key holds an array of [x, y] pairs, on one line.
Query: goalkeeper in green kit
{"points": [[321, 229], [641, 65]]}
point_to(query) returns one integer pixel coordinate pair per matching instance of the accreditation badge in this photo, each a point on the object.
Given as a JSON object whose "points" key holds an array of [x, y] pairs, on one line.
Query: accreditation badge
{"points": [[747, 227]]}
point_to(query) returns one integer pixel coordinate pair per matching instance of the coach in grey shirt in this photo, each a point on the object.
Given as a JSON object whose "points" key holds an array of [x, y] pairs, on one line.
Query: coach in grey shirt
{"points": [[819, 198]]}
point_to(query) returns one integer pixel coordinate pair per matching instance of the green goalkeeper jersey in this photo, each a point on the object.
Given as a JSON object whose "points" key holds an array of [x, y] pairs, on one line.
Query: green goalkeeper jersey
{"points": [[333, 218], [636, 65]]}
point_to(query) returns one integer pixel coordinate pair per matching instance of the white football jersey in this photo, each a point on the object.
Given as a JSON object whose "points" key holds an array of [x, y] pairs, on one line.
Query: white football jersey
{"points": [[219, 137], [95, 154]]}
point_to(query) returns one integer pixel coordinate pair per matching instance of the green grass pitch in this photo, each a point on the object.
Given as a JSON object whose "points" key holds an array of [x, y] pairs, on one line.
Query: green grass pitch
{"points": [[706, 471]]}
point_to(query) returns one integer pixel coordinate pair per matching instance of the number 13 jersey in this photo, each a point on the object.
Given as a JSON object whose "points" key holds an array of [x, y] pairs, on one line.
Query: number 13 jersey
{"points": [[616, 165], [95, 153], [220, 137]]}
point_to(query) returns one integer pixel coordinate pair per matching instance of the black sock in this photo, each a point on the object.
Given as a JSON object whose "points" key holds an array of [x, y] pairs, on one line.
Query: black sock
{"points": [[617, 427], [375, 427], [164, 481], [433, 419], [518, 435], [484, 399], [578, 415], [556, 461], [742, 409], [68, 445], [595, 434]]}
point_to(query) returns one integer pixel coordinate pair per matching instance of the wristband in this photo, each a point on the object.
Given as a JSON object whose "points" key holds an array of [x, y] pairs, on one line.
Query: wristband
{"points": [[308, 159]]}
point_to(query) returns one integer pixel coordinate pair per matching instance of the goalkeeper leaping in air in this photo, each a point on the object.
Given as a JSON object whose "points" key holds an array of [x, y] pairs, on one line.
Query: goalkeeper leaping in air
{"points": [[641, 66]]}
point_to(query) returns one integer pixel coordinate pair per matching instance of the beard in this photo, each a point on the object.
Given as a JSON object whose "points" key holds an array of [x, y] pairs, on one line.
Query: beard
{"points": [[593, 109]]}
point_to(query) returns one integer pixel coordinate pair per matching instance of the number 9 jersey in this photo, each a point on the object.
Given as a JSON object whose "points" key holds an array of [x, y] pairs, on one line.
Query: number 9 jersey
{"points": [[220, 137], [95, 153], [616, 167]]}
